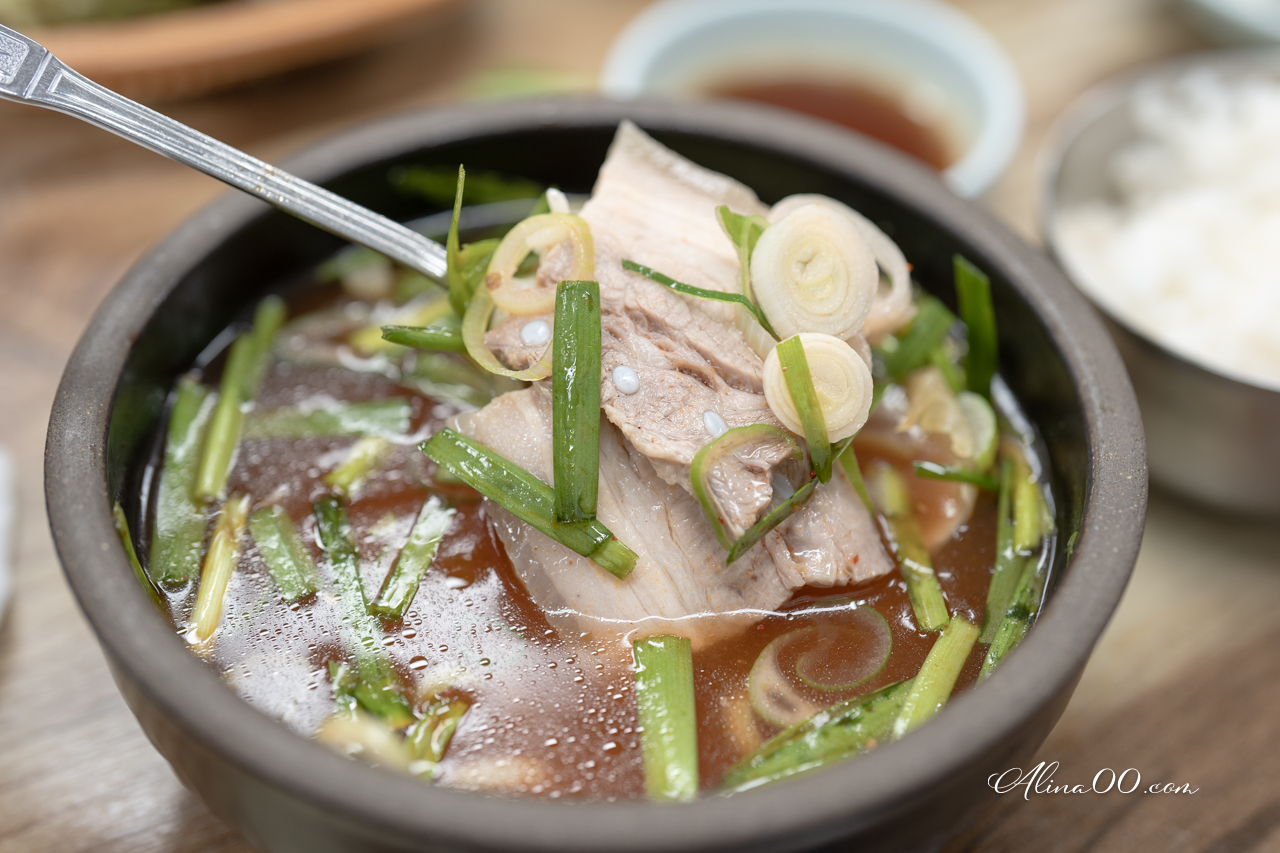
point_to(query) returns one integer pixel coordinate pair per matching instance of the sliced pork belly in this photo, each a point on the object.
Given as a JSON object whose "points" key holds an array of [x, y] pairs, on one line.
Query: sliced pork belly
{"points": [[681, 583]]}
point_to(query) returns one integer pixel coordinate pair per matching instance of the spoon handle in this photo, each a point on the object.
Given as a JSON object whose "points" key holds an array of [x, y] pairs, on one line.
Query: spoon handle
{"points": [[30, 74]]}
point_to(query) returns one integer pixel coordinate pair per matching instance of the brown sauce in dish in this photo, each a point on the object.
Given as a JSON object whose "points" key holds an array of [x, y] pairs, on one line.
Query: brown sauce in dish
{"points": [[552, 715], [855, 106]]}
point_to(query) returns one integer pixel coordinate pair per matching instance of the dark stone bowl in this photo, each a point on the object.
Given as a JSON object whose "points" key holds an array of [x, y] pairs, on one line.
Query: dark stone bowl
{"points": [[285, 793]]}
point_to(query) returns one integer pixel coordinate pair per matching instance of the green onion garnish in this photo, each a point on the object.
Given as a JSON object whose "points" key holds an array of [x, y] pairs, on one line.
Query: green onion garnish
{"points": [[122, 528], [374, 417], [779, 514], [849, 461], [702, 293], [374, 684], [219, 563], [527, 498], [902, 355], [240, 379], [845, 729], [465, 266], [1023, 607], [575, 400], [973, 295], [954, 474], [795, 367], [713, 453], [932, 686], [281, 547], [363, 458], [743, 232], [441, 337], [1008, 562], [178, 541], [903, 532], [401, 583], [667, 716]]}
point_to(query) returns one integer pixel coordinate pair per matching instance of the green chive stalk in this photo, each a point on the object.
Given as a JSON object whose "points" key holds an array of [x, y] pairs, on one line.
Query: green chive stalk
{"points": [[241, 377], [401, 583], [374, 417], [438, 338], [181, 520], [428, 738], [219, 563], [1023, 607], [373, 684], [849, 462], [703, 293], [575, 400], [527, 498], [711, 454], [973, 295], [894, 500], [926, 470], [848, 728], [122, 529], [363, 458], [932, 686], [795, 368], [282, 549], [1008, 566], [744, 232], [466, 265], [776, 516], [1031, 518], [901, 355], [667, 716]]}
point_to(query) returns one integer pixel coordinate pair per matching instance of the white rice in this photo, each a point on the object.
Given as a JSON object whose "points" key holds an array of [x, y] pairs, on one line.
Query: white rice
{"points": [[1188, 253]]}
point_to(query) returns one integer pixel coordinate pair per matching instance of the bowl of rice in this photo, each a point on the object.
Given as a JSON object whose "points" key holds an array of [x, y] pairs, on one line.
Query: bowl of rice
{"points": [[1161, 200]]}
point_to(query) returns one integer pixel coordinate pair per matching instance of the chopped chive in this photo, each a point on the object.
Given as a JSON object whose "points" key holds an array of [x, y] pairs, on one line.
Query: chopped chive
{"points": [[955, 474], [575, 400], [848, 728], [795, 368], [1023, 607], [363, 458], [283, 551], [374, 417], [849, 461], [428, 738], [466, 265], [716, 450], [1008, 566], [973, 295], [776, 516], [219, 563], [181, 520], [122, 528], [373, 684], [901, 355], [433, 309], [703, 293], [401, 583], [442, 337], [240, 379], [932, 686], [527, 498], [744, 232], [667, 716], [892, 497]]}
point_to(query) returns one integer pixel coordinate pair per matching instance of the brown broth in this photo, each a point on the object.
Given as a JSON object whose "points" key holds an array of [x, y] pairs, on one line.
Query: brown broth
{"points": [[558, 709], [856, 106]]}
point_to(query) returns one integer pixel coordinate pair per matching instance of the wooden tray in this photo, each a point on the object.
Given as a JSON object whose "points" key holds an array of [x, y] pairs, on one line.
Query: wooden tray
{"points": [[203, 49]]}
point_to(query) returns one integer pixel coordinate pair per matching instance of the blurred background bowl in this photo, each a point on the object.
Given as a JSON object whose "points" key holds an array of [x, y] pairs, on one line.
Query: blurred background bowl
{"points": [[944, 70], [1234, 21], [1211, 432]]}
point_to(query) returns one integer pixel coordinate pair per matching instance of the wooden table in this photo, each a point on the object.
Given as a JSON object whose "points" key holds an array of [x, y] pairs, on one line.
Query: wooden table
{"points": [[1185, 683]]}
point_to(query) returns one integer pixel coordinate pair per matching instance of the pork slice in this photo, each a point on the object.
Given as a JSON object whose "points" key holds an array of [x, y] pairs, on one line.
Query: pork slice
{"points": [[680, 583]]}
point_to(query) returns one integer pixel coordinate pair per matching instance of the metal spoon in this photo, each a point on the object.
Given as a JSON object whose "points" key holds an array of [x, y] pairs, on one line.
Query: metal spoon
{"points": [[30, 74]]}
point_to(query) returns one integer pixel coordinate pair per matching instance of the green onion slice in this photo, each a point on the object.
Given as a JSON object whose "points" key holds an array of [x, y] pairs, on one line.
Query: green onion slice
{"points": [[932, 687], [474, 326], [402, 582], [668, 718], [892, 497], [795, 367], [775, 517], [973, 295], [122, 529], [527, 498], [901, 355], [180, 522], [1008, 566], [444, 336], [702, 293], [743, 232], [391, 416], [575, 400], [720, 449], [281, 547], [955, 474]]}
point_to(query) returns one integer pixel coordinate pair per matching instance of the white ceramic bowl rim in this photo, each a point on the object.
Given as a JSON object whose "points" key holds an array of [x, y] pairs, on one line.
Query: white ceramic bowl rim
{"points": [[631, 63]]}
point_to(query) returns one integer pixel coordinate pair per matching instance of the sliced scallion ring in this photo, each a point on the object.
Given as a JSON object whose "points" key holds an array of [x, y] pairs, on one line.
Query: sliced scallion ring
{"points": [[714, 453], [847, 654], [476, 323], [521, 295], [842, 385]]}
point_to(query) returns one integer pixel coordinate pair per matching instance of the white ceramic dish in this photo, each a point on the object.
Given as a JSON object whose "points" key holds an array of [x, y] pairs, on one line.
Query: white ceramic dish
{"points": [[947, 63], [1235, 21]]}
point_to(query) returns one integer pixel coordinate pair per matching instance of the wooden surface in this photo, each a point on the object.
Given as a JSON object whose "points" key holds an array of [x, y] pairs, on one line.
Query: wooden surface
{"points": [[1184, 686]]}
